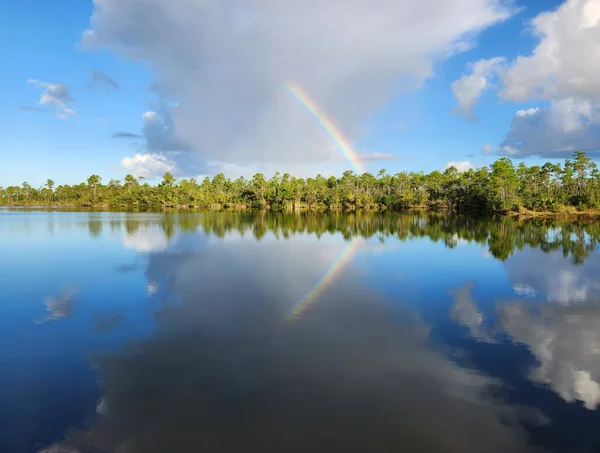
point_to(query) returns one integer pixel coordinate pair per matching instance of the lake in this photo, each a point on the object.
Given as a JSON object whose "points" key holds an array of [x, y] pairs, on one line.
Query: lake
{"points": [[229, 332]]}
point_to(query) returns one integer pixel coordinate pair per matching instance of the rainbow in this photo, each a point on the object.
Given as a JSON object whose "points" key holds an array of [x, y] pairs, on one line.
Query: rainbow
{"points": [[334, 133], [309, 300]]}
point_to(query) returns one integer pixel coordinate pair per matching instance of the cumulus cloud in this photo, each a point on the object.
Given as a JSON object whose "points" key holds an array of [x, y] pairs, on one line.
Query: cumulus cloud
{"points": [[469, 87], [487, 149], [460, 165], [148, 165], [228, 64], [563, 64], [562, 72], [55, 95], [102, 80], [155, 165], [564, 126], [167, 153], [164, 152]]}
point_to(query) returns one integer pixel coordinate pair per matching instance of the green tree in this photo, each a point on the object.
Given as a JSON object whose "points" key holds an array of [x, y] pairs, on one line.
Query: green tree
{"points": [[50, 186], [504, 184], [93, 182]]}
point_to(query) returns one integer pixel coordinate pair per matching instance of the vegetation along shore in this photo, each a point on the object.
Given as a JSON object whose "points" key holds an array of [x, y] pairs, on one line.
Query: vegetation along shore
{"points": [[550, 189]]}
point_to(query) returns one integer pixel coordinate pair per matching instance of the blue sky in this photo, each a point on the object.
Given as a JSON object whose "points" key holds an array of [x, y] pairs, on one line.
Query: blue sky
{"points": [[200, 85]]}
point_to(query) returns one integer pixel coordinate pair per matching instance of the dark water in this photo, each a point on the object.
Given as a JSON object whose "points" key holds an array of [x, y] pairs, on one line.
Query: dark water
{"points": [[263, 333]]}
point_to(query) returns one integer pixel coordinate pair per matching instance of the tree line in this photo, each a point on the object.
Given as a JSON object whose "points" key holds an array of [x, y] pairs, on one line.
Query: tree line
{"points": [[501, 187]]}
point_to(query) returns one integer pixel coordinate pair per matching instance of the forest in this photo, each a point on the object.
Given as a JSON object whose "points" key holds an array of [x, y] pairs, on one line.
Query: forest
{"points": [[500, 188]]}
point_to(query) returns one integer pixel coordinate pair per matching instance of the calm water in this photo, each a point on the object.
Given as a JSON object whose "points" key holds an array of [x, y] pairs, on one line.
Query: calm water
{"points": [[131, 332]]}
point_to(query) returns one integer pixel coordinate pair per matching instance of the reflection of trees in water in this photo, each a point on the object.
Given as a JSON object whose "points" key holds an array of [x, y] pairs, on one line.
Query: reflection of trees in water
{"points": [[95, 228], [502, 236]]}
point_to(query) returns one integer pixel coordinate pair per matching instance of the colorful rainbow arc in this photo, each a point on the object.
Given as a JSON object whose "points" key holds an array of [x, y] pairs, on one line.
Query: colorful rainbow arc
{"points": [[310, 299], [327, 124], [346, 149]]}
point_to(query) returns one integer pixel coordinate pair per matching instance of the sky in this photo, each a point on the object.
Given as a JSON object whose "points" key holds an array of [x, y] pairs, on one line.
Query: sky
{"points": [[200, 87]]}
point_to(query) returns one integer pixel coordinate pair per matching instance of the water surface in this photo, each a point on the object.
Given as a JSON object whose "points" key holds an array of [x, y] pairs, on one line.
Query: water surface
{"points": [[228, 332]]}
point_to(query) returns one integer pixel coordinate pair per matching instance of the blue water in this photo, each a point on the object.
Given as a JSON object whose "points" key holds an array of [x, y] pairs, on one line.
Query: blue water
{"points": [[153, 332]]}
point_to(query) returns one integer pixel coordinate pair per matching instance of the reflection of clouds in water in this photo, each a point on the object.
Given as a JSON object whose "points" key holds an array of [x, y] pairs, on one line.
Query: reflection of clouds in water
{"points": [[555, 276], [565, 341], [58, 449], [459, 241], [465, 312], [146, 239], [60, 306], [101, 407], [226, 372], [523, 290], [564, 336], [152, 288], [182, 268]]}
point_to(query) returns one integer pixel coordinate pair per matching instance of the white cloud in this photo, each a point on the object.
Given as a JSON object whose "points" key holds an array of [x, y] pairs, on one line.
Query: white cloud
{"points": [[563, 70], [469, 88], [57, 95], [564, 126], [487, 149], [462, 165], [165, 153], [510, 150], [528, 112], [228, 62], [179, 163], [564, 63], [148, 165]]}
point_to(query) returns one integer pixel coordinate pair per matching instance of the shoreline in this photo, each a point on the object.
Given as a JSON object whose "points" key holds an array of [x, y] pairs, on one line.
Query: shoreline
{"points": [[522, 214]]}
